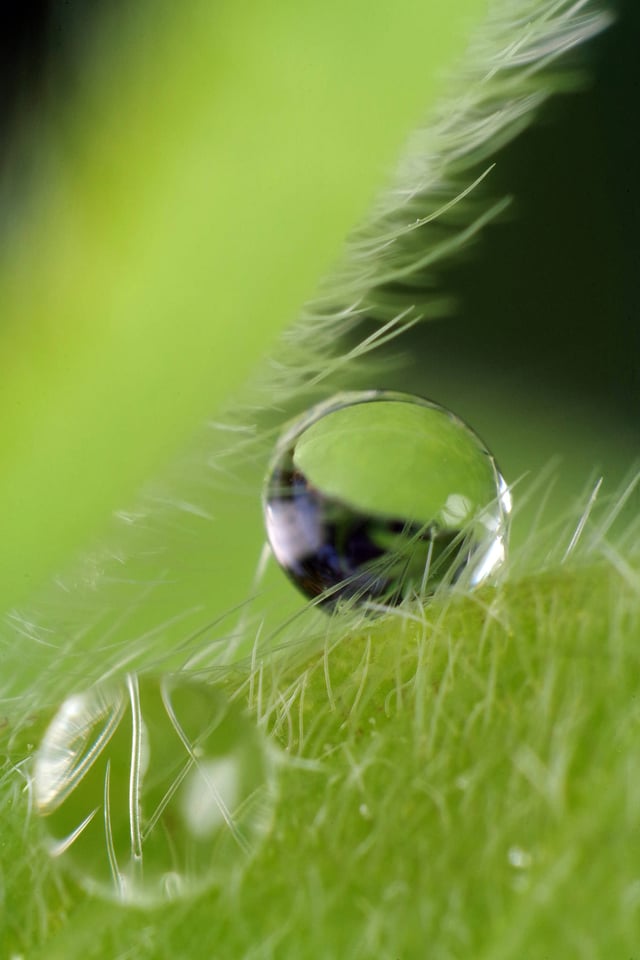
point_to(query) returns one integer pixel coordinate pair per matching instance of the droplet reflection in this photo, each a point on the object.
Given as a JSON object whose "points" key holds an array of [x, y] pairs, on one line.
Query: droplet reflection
{"points": [[377, 495], [153, 789]]}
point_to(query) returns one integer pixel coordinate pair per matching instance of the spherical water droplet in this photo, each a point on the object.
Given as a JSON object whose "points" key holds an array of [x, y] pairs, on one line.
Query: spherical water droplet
{"points": [[153, 788], [378, 495]]}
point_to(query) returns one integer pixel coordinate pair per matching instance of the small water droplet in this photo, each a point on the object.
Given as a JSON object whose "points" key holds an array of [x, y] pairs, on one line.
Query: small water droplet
{"points": [[377, 495], [153, 789]]}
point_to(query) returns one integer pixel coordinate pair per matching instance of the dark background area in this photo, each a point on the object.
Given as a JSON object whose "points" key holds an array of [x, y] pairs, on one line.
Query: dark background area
{"points": [[542, 356], [42, 44], [551, 294]]}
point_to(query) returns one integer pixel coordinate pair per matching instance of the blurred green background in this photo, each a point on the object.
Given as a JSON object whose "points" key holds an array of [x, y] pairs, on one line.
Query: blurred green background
{"points": [[541, 356]]}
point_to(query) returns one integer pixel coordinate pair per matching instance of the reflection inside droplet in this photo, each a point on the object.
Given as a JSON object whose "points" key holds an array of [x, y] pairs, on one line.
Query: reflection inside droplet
{"points": [[153, 789], [377, 495]]}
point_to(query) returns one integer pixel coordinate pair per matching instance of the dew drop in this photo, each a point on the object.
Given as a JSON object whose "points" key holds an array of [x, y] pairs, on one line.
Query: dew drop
{"points": [[152, 789], [377, 495]]}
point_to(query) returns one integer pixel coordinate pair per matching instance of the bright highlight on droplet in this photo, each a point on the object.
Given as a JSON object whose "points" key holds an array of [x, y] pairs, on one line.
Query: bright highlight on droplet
{"points": [[153, 789], [378, 495]]}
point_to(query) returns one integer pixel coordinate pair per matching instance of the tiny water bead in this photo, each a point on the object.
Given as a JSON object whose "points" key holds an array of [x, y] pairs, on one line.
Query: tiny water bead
{"points": [[377, 495], [153, 788]]}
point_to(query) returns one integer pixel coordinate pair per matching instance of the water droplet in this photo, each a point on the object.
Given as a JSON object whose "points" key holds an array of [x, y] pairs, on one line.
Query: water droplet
{"points": [[153, 788], [377, 495]]}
